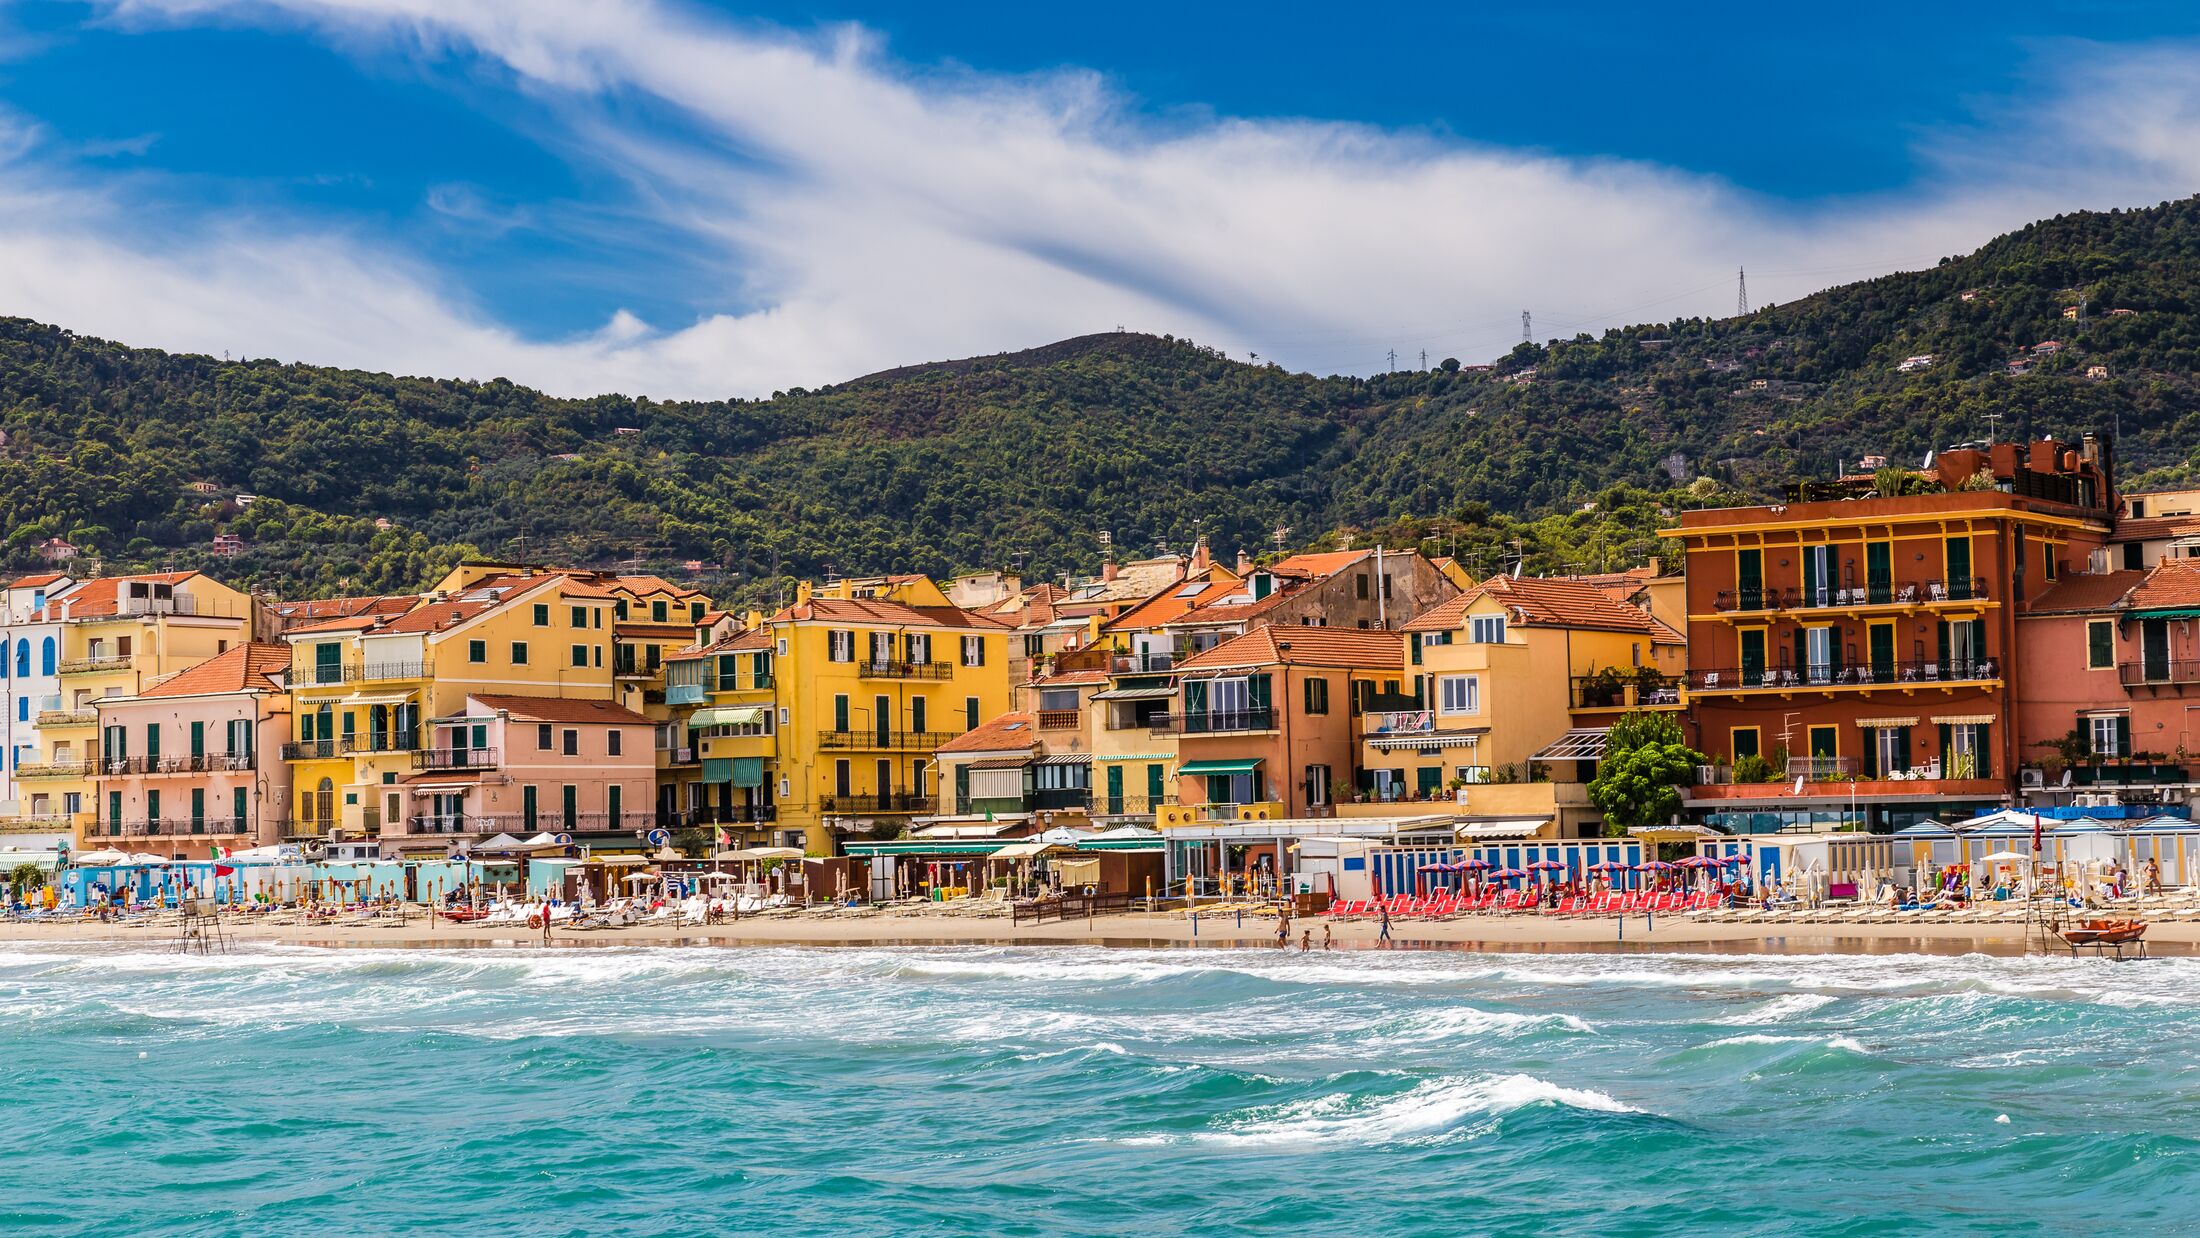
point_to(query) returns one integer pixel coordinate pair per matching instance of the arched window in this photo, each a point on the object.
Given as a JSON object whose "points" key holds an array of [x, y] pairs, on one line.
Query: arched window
{"points": [[46, 657], [22, 657]]}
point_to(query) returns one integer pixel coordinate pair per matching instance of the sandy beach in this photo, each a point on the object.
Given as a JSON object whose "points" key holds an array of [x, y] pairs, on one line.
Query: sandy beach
{"points": [[1499, 933]]}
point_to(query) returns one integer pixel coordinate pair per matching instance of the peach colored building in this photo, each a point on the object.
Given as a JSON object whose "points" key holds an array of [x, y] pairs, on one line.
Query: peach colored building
{"points": [[2115, 661], [191, 764], [528, 764]]}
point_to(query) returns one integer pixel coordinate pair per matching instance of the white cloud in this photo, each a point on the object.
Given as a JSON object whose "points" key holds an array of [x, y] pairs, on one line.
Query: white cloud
{"points": [[874, 219]]}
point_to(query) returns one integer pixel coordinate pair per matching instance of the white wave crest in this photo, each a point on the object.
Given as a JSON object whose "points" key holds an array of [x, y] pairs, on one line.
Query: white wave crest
{"points": [[1777, 1009], [1432, 1110]]}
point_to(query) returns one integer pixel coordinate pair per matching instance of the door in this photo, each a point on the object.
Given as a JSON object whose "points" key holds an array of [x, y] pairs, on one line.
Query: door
{"points": [[1959, 568], [528, 808], [1749, 579], [883, 781], [882, 716], [1115, 789], [328, 663], [1825, 750], [1753, 657], [1156, 792], [1882, 642], [1817, 575], [2154, 649], [569, 806], [1818, 654], [1879, 571]]}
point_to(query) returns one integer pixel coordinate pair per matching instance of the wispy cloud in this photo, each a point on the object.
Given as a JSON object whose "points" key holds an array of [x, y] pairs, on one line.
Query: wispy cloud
{"points": [[859, 216]]}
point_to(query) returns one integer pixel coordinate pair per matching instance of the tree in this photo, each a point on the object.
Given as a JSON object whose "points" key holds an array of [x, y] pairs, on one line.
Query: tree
{"points": [[26, 878], [1646, 762]]}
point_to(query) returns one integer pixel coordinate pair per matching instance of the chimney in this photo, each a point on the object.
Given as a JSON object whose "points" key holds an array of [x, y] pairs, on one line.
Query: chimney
{"points": [[1244, 563], [1012, 584], [1107, 569], [1655, 566], [1201, 561]]}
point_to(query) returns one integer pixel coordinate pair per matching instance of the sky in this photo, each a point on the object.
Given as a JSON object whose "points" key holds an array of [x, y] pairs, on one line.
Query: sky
{"points": [[688, 200]]}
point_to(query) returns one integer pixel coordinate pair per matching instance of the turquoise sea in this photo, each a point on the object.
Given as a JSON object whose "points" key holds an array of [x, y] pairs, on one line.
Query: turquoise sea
{"points": [[1060, 1090]]}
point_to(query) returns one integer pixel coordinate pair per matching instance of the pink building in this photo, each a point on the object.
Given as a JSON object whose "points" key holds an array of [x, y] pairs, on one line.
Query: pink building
{"points": [[524, 765], [191, 764], [2115, 661]]}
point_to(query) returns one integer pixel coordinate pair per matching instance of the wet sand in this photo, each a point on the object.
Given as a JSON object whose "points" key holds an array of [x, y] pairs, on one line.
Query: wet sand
{"points": [[1496, 933]]}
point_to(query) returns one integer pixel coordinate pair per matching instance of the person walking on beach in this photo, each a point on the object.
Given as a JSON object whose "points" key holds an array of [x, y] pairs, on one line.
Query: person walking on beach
{"points": [[1329, 935], [1384, 935], [1306, 941], [1283, 930], [546, 924]]}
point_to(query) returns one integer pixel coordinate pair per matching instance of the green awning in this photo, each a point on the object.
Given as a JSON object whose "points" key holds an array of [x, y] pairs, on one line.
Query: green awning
{"points": [[727, 715], [717, 769], [1196, 768], [913, 847], [748, 771], [2174, 612]]}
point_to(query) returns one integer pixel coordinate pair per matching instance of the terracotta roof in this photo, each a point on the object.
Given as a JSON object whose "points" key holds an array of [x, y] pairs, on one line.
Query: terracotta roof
{"points": [[733, 642], [32, 582], [2176, 583], [327, 608], [252, 666], [1316, 566], [1068, 679], [666, 631], [879, 611], [483, 597], [1010, 730], [349, 623], [1166, 606], [1280, 645], [558, 709], [98, 597], [2155, 528], [1546, 601], [2083, 594]]}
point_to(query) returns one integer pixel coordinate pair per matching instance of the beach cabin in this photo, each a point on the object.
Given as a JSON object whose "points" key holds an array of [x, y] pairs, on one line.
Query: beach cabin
{"points": [[1838, 865]]}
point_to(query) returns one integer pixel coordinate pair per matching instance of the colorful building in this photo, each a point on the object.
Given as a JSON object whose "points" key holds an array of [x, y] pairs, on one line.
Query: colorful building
{"points": [[118, 635], [584, 768], [30, 685], [191, 765], [1858, 647]]}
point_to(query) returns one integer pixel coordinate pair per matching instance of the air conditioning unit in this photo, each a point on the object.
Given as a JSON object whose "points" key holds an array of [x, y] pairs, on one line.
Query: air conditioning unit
{"points": [[2033, 778]]}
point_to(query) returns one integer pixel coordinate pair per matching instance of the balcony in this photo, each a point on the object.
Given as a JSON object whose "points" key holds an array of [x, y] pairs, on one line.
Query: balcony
{"points": [[1820, 769], [181, 827], [1060, 719], [371, 744], [54, 769], [67, 717], [1629, 692], [1216, 722], [197, 763], [1849, 597], [686, 694], [904, 670], [94, 662], [1130, 805], [310, 750], [333, 674], [896, 802], [455, 758], [1155, 662], [593, 822], [40, 823], [679, 756], [740, 814], [1907, 675], [1400, 722], [460, 823], [884, 741], [2158, 672]]}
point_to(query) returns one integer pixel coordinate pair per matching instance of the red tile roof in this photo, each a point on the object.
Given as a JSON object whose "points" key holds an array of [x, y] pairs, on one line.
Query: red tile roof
{"points": [[1166, 606], [1317, 566], [32, 582], [255, 666], [1543, 601], [2083, 594], [98, 597], [655, 631], [1009, 731], [1277, 645], [733, 642], [483, 597], [1070, 679], [2174, 584], [880, 611], [558, 709], [2155, 528]]}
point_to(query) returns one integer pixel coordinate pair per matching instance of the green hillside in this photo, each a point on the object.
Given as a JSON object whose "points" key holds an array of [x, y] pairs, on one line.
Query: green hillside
{"points": [[1028, 458]]}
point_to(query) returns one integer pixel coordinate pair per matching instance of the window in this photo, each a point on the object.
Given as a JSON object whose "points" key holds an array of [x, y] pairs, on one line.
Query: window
{"points": [[1359, 586], [2108, 733], [1744, 741], [840, 646], [580, 655], [542, 737], [542, 614], [1460, 694], [1317, 698], [519, 653], [237, 807], [572, 742], [840, 713], [1057, 700], [1486, 629], [782, 646], [618, 609], [919, 716], [477, 651], [657, 612], [580, 616], [2100, 644], [1890, 750], [2052, 566], [970, 714], [617, 741]]}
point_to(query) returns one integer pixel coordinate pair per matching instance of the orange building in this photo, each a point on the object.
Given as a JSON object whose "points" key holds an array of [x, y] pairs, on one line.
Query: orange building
{"points": [[1860, 645]]}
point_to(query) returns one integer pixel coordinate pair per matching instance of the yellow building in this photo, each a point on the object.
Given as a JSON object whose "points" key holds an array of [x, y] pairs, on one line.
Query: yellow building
{"points": [[382, 722], [867, 679], [1516, 681], [119, 634], [720, 769]]}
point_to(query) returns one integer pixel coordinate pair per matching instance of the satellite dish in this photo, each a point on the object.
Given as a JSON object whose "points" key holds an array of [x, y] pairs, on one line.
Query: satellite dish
{"points": [[315, 850], [1928, 460]]}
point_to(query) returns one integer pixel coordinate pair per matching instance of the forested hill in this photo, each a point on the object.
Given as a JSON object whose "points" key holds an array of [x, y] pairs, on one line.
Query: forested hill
{"points": [[138, 456]]}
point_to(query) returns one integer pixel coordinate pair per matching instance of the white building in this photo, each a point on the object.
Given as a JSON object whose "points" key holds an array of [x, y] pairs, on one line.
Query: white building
{"points": [[30, 645]]}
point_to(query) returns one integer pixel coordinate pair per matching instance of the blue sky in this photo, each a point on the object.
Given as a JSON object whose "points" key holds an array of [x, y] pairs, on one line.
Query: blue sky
{"points": [[691, 199]]}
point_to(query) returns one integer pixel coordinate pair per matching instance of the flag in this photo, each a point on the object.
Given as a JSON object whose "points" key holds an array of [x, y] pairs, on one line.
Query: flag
{"points": [[2035, 833], [224, 870]]}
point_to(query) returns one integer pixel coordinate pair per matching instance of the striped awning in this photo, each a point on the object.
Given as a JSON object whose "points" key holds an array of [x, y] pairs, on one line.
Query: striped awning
{"points": [[1579, 744], [1067, 758], [1000, 763], [727, 715], [1135, 694], [1428, 739], [1963, 719], [1876, 723]]}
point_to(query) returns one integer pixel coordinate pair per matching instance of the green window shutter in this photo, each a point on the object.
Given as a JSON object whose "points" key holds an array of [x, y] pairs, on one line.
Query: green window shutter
{"points": [[198, 739], [1810, 574], [840, 713], [114, 807], [1944, 646], [527, 806], [1195, 697], [2123, 735], [152, 741], [1986, 750], [1413, 643], [1256, 691], [198, 805], [237, 804], [1947, 750]]}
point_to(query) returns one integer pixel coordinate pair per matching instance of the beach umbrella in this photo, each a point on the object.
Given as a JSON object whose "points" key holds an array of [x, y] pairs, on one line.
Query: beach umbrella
{"points": [[1608, 866], [1474, 864], [1440, 867], [1653, 866], [1545, 866], [1506, 873]]}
